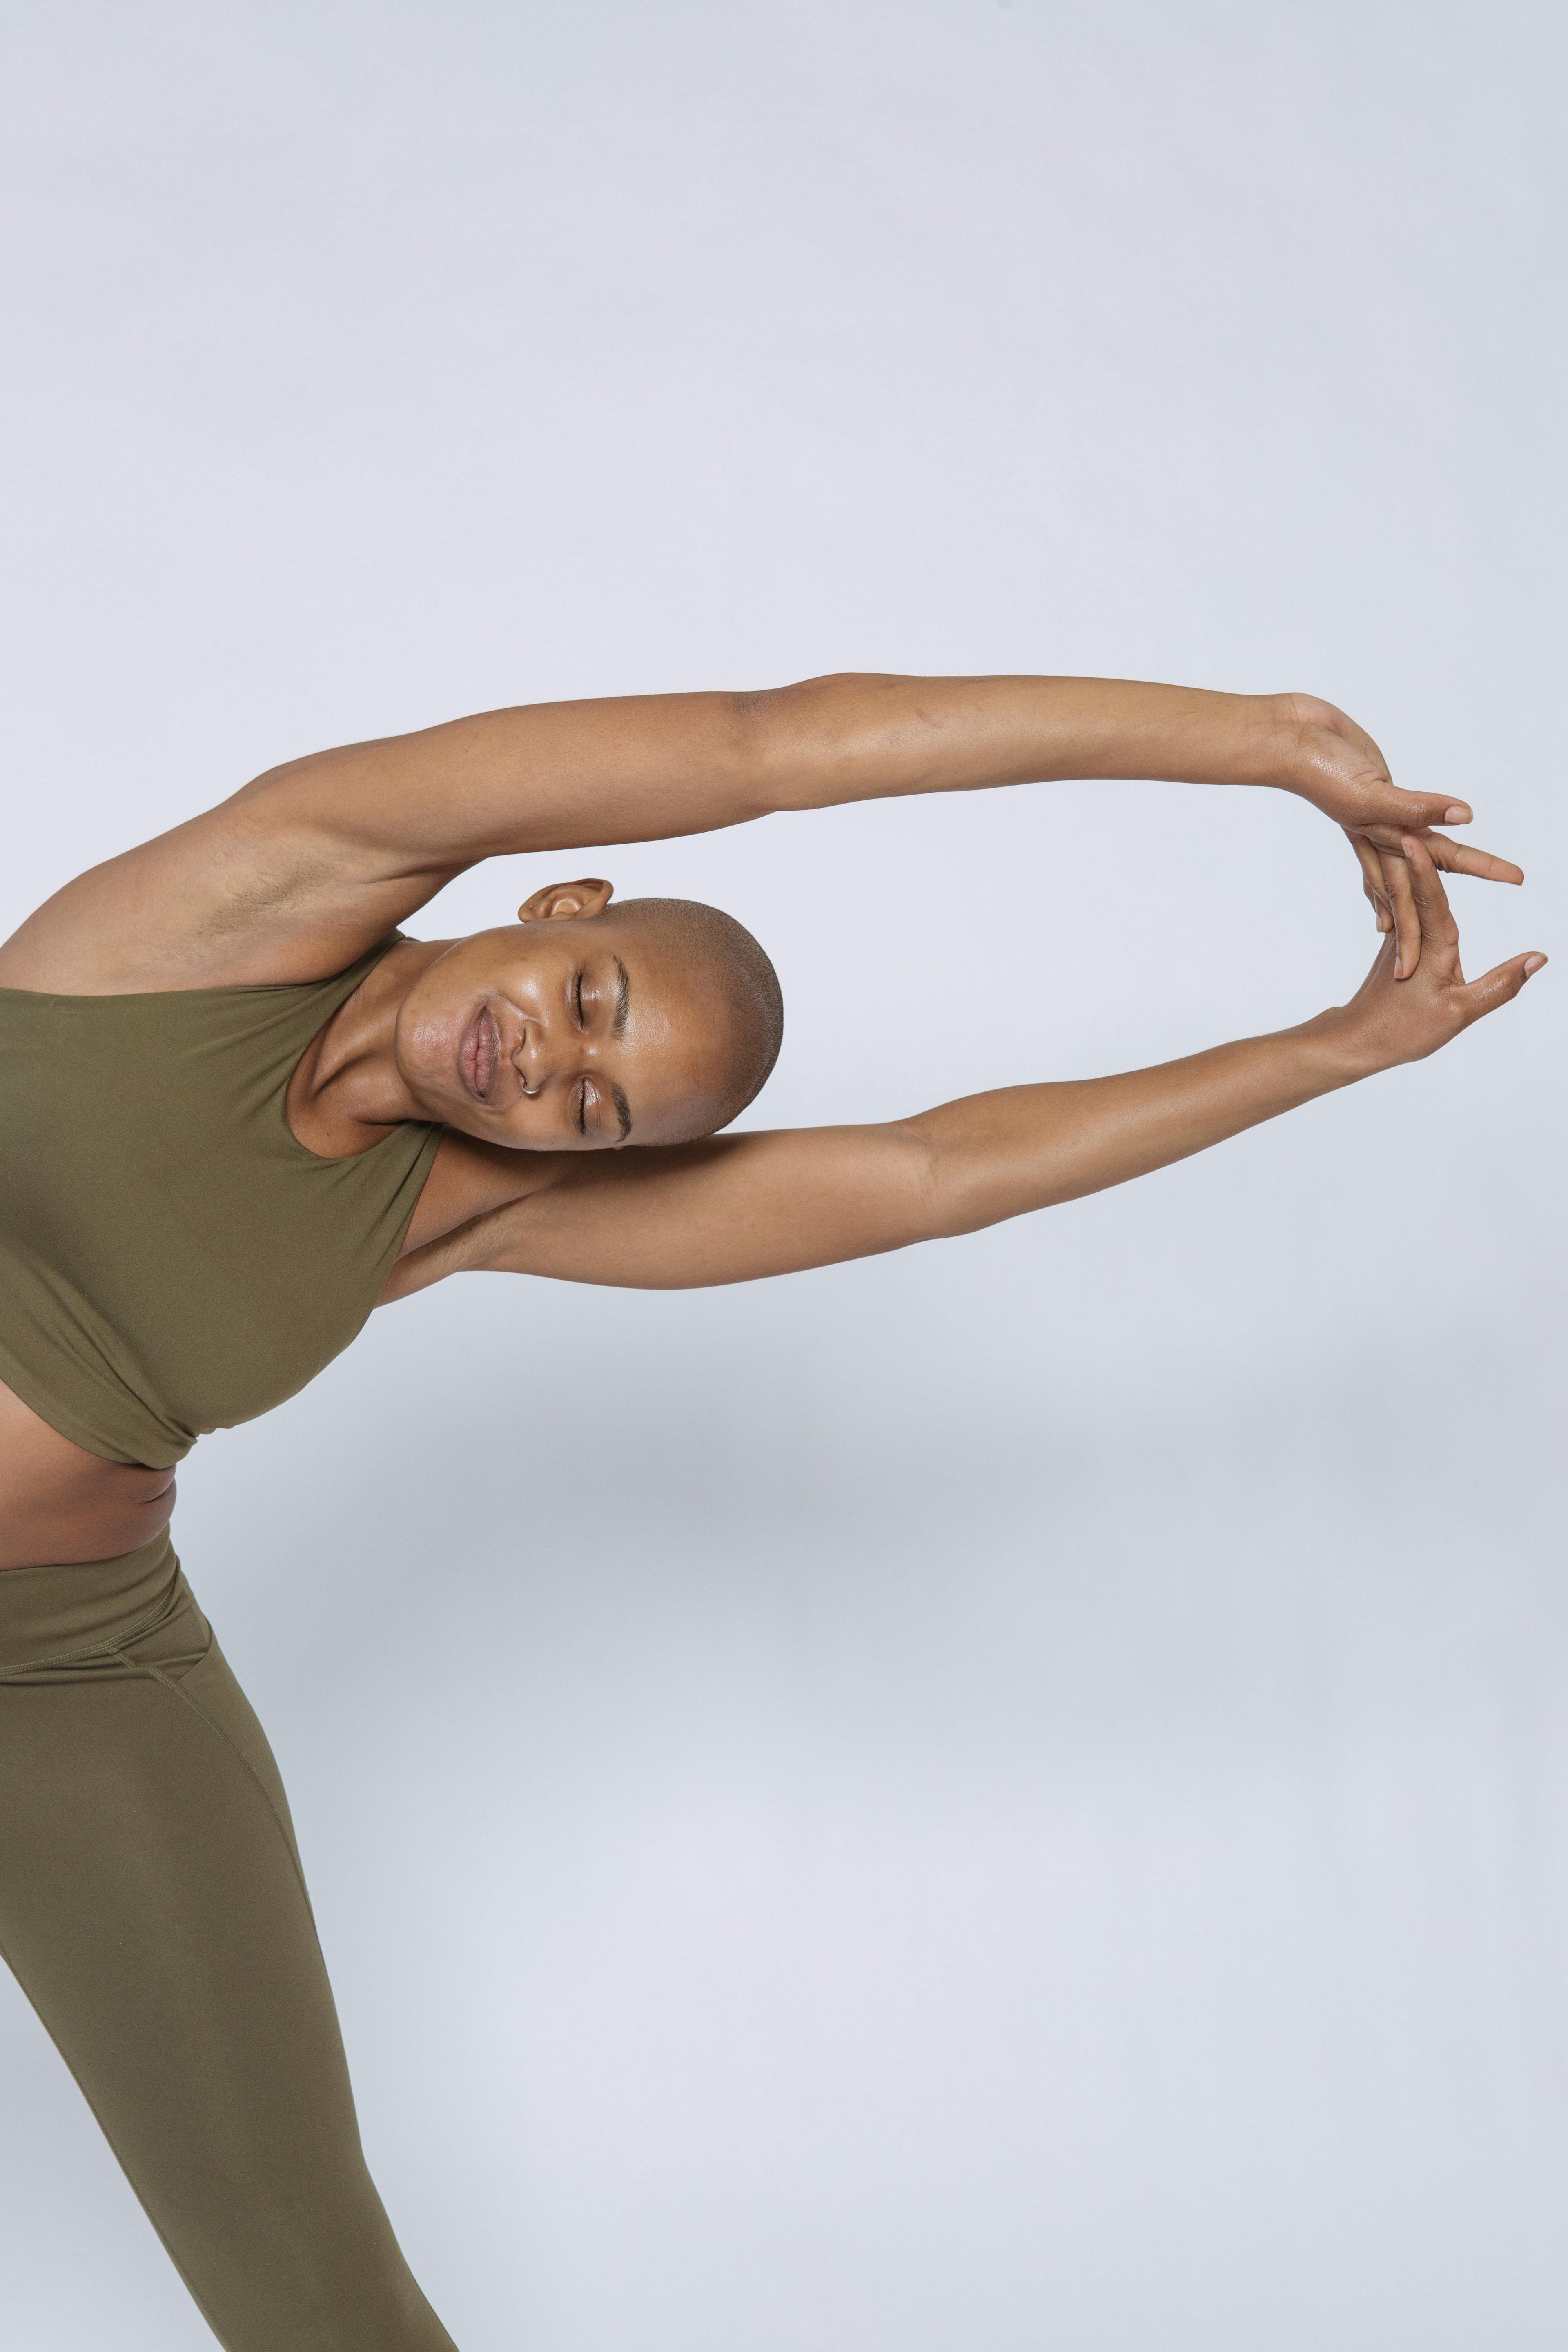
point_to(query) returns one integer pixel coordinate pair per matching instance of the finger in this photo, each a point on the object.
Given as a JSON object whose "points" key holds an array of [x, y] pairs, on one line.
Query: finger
{"points": [[1454, 856], [1459, 857], [1433, 911], [1501, 985], [1400, 897], [1371, 877]]}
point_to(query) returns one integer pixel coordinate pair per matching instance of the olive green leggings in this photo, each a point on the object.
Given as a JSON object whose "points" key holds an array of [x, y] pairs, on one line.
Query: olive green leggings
{"points": [[152, 1908]]}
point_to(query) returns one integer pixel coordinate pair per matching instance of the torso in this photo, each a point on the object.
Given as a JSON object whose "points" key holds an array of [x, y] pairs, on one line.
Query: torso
{"points": [[60, 1503]]}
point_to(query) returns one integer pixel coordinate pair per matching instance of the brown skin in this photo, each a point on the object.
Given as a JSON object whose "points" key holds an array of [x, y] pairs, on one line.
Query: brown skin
{"points": [[59, 1502], [734, 1208], [302, 870], [575, 1028], [307, 867]]}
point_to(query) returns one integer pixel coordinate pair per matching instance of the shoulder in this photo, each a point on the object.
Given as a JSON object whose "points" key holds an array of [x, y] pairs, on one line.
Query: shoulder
{"points": [[247, 894]]}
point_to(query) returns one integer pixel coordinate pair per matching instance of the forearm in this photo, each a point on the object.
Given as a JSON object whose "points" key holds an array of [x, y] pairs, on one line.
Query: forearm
{"points": [[999, 1155], [739, 1208], [832, 740]]}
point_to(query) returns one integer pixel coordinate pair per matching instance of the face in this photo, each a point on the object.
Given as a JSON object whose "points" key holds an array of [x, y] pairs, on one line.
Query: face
{"points": [[572, 1030]]}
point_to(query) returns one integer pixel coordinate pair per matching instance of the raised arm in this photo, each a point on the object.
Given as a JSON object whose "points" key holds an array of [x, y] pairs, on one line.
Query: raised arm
{"points": [[741, 1207], [306, 867], [416, 809], [557, 775]]}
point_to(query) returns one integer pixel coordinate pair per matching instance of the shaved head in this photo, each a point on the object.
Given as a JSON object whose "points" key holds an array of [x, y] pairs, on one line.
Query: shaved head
{"points": [[590, 1023], [720, 953]]}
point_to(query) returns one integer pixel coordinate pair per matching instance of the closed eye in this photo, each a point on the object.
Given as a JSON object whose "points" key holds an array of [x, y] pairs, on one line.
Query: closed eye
{"points": [[577, 997], [583, 1108]]}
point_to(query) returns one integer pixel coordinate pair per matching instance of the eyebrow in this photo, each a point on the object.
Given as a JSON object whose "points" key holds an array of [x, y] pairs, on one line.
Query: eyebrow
{"points": [[623, 1109], [623, 1009]]}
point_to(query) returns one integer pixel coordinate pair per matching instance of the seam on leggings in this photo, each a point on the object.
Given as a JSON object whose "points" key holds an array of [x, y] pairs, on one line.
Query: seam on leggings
{"points": [[156, 1674], [110, 1647], [114, 1647]]}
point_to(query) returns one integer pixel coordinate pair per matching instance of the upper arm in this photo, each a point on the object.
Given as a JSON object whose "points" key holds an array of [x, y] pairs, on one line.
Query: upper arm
{"points": [[732, 1209], [541, 776], [305, 867], [308, 865]]}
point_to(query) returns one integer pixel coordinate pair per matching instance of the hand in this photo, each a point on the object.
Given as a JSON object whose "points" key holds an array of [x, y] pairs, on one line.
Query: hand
{"points": [[1389, 1021], [1342, 771]]}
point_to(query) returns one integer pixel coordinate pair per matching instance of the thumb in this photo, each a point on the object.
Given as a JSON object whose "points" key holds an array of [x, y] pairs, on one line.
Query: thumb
{"points": [[1501, 985], [1418, 808]]}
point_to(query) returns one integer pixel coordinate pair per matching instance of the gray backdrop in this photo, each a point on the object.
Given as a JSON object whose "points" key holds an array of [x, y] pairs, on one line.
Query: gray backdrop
{"points": [[1014, 1795]]}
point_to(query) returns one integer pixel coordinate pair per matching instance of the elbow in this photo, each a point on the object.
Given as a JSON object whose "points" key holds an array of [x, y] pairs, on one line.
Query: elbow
{"points": [[962, 1189], [942, 1202], [792, 742], [745, 752]]}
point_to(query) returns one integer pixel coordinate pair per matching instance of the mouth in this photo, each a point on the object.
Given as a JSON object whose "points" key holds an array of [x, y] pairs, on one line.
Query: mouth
{"points": [[478, 1056]]}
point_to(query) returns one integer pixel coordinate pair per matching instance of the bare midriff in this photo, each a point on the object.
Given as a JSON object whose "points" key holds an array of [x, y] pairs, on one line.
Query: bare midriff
{"points": [[60, 1503]]}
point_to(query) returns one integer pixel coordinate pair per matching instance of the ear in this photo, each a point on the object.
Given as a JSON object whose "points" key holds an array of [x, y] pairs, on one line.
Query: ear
{"points": [[560, 901]]}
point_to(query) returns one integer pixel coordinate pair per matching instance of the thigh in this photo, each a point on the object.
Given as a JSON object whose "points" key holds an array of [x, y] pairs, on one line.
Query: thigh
{"points": [[153, 1907]]}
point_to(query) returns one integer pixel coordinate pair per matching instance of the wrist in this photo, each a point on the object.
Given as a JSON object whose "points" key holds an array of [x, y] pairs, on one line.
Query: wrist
{"points": [[1340, 1040], [1195, 735], [1268, 741]]}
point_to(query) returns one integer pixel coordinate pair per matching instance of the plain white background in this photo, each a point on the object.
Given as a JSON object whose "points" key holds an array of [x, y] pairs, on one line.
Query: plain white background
{"points": [[1014, 1795]]}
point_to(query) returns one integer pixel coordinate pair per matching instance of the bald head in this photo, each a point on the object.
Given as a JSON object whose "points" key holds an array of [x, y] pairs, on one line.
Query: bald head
{"points": [[721, 956], [590, 1023]]}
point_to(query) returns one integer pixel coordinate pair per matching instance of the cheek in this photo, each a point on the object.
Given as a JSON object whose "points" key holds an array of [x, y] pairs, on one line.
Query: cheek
{"points": [[432, 1010], [418, 1046], [531, 1127], [424, 1034]]}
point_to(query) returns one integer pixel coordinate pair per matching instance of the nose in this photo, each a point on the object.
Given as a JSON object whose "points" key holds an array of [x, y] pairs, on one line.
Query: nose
{"points": [[540, 1057], [526, 1060]]}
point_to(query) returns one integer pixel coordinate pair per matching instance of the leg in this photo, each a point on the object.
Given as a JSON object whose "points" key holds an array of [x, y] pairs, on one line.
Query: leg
{"points": [[152, 1908]]}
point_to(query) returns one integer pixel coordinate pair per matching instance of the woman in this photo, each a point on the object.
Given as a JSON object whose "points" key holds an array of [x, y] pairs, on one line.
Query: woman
{"points": [[241, 1108]]}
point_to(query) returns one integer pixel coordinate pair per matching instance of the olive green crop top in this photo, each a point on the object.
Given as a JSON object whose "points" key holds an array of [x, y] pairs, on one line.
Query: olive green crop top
{"points": [[172, 1259]]}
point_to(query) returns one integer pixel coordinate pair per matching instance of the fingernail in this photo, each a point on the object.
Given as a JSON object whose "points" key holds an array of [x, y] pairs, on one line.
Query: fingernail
{"points": [[1533, 964], [1457, 815]]}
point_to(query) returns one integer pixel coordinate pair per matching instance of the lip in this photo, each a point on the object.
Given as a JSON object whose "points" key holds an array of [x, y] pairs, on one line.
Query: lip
{"points": [[479, 1055]]}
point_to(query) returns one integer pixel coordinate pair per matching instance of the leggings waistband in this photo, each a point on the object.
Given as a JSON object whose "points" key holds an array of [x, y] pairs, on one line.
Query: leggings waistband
{"points": [[72, 1611]]}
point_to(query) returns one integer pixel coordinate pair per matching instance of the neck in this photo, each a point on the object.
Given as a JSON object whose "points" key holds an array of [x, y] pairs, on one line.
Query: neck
{"points": [[349, 1075]]}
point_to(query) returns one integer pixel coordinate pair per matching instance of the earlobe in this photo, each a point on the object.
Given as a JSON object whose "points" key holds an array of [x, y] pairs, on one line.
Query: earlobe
{"points": [[561, 902]]}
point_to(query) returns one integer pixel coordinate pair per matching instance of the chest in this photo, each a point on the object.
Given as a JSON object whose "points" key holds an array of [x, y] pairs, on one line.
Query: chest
{"points": [[163, 1230]]}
